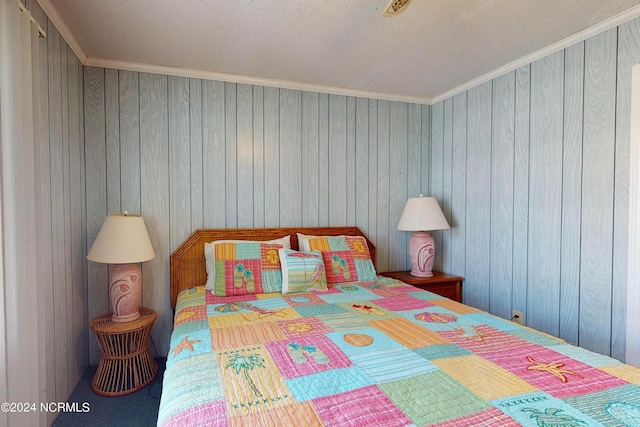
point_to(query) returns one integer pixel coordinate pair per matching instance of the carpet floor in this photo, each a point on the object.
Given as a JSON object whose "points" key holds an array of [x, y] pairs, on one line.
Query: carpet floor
{"points": [[135, 409]]}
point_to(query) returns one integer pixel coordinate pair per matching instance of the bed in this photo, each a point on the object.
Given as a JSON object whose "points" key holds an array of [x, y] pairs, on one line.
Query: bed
{"points": [[365, 351]]}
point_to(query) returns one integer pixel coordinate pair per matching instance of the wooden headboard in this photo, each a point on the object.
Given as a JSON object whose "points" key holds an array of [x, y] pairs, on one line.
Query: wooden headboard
{"points": [[188, 264]]}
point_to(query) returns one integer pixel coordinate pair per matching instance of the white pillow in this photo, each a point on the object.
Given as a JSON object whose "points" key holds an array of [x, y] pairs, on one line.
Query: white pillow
{"points": [[210, 261], [303, 241]]}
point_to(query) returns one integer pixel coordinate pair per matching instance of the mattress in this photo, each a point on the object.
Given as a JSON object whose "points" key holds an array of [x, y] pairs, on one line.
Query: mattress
{"points": [[379, 353]]}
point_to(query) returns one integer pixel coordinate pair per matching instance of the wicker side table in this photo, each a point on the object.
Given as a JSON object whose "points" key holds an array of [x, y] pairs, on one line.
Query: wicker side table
{"points": [[126, 364]]}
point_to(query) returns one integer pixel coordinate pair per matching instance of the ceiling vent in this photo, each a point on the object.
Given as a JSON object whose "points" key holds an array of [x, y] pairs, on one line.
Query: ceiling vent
{"points": [[396, 7]]}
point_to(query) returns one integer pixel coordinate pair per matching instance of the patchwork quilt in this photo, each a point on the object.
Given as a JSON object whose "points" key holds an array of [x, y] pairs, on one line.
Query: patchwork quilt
{"points": [[379, 353]]}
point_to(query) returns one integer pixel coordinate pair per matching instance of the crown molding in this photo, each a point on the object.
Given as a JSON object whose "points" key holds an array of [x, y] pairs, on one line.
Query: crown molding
{"points": [[236, 78], [583, 35], [578, 37], [50, 10], [91, 61]]}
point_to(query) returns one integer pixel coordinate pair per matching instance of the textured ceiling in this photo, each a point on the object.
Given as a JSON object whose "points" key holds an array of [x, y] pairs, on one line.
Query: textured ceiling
{"points": [[431, 50]]}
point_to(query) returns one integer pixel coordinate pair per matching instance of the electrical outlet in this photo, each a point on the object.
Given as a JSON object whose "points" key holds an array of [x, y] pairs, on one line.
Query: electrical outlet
{"points": [[517, 317]]}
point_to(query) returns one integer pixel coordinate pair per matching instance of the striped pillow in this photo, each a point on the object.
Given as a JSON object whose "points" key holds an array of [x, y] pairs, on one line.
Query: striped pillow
{"points": [[302, 271]]}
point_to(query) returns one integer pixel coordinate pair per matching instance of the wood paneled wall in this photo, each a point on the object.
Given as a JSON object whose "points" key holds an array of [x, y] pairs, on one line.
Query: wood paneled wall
{"points": [[530, 168], [60, 184], [533, 170], [189, 153]]}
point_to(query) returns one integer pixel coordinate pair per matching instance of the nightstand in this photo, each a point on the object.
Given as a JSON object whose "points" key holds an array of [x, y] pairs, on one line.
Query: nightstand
{"points": [[126, 364], [446, 285]]}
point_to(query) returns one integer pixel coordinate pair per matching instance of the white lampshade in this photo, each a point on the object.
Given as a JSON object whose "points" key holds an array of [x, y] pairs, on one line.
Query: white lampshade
{"points": [[422, 214], [123, 239]]}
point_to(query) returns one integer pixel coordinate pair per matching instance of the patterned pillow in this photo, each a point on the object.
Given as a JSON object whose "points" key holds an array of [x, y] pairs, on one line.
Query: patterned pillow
{"points": [[228, 252], [302, 271], [346, 258]]}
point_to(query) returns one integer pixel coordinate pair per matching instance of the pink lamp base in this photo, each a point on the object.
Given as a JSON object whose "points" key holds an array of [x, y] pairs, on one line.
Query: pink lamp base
{"points": [[125, 290], [421, 254]]}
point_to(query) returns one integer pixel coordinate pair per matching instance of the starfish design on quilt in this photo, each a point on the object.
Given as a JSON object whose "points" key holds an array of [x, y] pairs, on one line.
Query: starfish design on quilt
{"points": [[185, 344], [554, 369], [552, 417]]}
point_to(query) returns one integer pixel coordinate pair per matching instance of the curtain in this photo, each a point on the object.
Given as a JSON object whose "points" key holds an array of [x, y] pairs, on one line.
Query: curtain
{"points": [[21, 372]]}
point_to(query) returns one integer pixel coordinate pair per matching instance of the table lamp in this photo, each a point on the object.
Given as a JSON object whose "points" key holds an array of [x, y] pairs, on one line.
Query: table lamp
{"points": [[422, 214], [123, 242]]}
